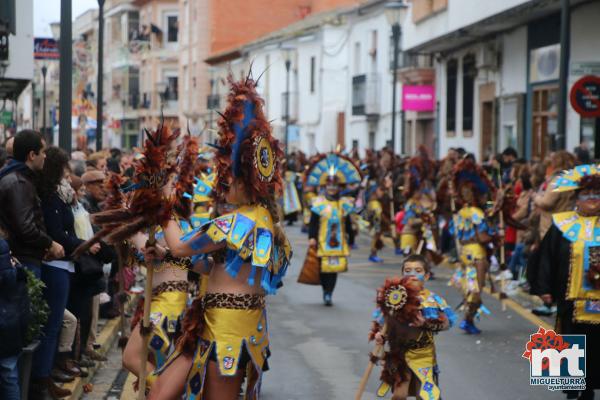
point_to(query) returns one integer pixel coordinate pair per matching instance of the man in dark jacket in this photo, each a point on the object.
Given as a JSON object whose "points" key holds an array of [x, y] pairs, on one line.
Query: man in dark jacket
{"points": [[14, 320], [21, 215]]}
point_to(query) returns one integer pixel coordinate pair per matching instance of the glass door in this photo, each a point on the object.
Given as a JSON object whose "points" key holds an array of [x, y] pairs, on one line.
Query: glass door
{"points": [[545, 133]]}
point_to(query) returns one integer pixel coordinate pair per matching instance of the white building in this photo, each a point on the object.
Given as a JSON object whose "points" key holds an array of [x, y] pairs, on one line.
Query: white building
{"points": [[340, 81], [497, 71], [16, 61]]}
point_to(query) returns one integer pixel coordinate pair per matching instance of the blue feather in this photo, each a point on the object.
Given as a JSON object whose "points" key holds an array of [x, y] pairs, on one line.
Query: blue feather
{"points": [[241, 133]]}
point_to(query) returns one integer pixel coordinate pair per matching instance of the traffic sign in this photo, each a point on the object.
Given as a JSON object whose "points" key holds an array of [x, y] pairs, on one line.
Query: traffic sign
{"points": [[585, 96]]}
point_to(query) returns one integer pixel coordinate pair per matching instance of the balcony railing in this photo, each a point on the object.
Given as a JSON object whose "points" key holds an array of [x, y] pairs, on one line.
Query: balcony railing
{"points": [[365, 94], [293, 109]]}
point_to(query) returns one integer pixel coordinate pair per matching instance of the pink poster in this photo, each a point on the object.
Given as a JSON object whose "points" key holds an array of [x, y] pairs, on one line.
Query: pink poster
{"points": [[418, 98]]}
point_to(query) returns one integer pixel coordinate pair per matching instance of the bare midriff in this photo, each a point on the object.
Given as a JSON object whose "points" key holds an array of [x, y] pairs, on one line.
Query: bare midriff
{"points": [[219, 281]]}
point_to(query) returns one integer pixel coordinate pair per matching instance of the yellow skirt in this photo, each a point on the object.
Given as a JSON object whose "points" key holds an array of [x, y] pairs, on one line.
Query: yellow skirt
{"points": [[472, 252], [423, 364], [408, 241], [166, 310], [231, 336]]}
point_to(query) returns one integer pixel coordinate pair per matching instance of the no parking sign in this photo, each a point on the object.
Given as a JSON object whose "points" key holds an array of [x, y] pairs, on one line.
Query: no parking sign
{"points": [[585, 96]]}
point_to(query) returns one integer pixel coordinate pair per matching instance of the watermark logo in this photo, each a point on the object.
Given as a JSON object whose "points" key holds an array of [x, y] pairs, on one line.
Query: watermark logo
{"points": [[556, 361]]}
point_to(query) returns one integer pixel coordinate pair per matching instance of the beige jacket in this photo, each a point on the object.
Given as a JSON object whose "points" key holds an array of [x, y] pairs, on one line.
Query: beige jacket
{"points": [[549, 202]]}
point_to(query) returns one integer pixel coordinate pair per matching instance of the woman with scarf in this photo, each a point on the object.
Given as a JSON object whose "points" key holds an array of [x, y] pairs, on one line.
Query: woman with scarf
{"points": [[56, 196]]}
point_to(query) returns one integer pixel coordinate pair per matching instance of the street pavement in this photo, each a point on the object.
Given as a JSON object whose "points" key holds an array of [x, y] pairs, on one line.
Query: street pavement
{"points": [[321, 352]]}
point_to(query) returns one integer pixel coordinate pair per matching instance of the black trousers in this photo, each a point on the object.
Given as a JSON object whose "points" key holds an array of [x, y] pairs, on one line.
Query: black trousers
{"points": [[80, 304], [328, 281]]}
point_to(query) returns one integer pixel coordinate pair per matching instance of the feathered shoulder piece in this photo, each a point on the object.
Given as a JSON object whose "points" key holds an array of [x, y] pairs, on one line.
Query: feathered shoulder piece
{"points": [[246, 148], [399, 299], [467, 172], [335, 167]]}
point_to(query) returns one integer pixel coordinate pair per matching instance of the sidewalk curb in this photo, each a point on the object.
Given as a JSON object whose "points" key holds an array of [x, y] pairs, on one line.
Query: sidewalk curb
{"points": [[107, 338]]}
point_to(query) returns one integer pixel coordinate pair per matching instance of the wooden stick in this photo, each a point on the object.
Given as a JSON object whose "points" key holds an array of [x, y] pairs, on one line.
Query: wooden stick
{"points": [[145, 328], [377, 352], [501, 294]]}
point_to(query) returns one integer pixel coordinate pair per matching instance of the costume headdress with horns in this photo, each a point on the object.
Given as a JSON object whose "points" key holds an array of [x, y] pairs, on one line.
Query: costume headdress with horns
{"points": [[246, 149], [333, 167]]}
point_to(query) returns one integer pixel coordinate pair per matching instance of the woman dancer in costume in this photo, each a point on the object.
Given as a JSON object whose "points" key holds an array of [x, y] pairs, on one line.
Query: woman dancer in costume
{"points": [[225, 331], [472, 188], [330, 226], [568, 272]]}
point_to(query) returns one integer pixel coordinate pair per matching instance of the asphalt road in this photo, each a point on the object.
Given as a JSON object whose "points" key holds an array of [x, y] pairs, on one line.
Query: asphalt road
{"points": [[321, 352]]}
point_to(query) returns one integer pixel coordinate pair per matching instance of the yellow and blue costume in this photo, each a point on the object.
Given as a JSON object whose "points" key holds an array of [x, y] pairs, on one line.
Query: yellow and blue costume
{"points": [[467, 223], [420, 354], [333, 248], [235, 330]]}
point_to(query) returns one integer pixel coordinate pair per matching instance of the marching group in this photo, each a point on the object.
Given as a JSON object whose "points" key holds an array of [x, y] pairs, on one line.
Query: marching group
{"points": [[208, 225]]}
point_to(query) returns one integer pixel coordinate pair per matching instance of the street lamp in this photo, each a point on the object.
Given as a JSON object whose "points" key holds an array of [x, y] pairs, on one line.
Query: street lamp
{"points": [[287, 51], [395, 12], [99, 89], [44, 72]]}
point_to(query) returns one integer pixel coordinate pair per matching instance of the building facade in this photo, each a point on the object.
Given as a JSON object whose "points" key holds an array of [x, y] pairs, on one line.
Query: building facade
{"points": [[497, 68]]}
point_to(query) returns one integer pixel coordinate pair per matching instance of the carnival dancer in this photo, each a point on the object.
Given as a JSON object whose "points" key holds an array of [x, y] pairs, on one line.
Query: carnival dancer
{"points": [[568, 272], [373, 195], [330, 227], [419, 222], [291, 200], [410, 364], [139, 206], [472, 188], [225, 331]]}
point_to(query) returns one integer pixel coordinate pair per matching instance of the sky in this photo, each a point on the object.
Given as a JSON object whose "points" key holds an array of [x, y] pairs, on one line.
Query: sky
{"points": [[48, 11]]}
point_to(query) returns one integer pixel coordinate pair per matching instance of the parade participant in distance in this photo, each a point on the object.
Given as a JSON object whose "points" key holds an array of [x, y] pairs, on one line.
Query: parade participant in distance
{"points": [[330, 226], [472, 188], [225, 331]]}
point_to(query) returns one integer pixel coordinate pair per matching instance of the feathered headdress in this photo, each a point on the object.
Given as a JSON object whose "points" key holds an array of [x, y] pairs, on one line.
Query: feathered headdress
{"points": [[184, 186], [580, 177], [145, 205], [419, 173], [246, 148], [332, 167], [467, 172]]}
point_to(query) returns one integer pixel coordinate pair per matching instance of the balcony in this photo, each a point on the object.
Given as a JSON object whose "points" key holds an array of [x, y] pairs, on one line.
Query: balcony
{"points": [[293, 109], [365, 95], [417, 69]]}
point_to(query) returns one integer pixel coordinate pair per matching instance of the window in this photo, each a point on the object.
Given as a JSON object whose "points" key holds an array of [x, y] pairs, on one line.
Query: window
{"points": [[172, 92], [469, 72], [172, 28], [312, 74], [451, 71]]}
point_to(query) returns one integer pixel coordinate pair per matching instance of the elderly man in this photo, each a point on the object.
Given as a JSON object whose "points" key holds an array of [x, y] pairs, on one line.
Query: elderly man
{"points": [[95, 194]]}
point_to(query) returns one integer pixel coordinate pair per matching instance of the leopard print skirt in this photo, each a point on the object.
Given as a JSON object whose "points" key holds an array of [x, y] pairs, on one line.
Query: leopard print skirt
{"points": [[233, 301]]}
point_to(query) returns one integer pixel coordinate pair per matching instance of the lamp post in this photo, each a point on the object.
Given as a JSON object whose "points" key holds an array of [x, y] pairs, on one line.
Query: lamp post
{"points": [[65, 80], [395, 12], [288, 63], [99, 89], [44, 72]]}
